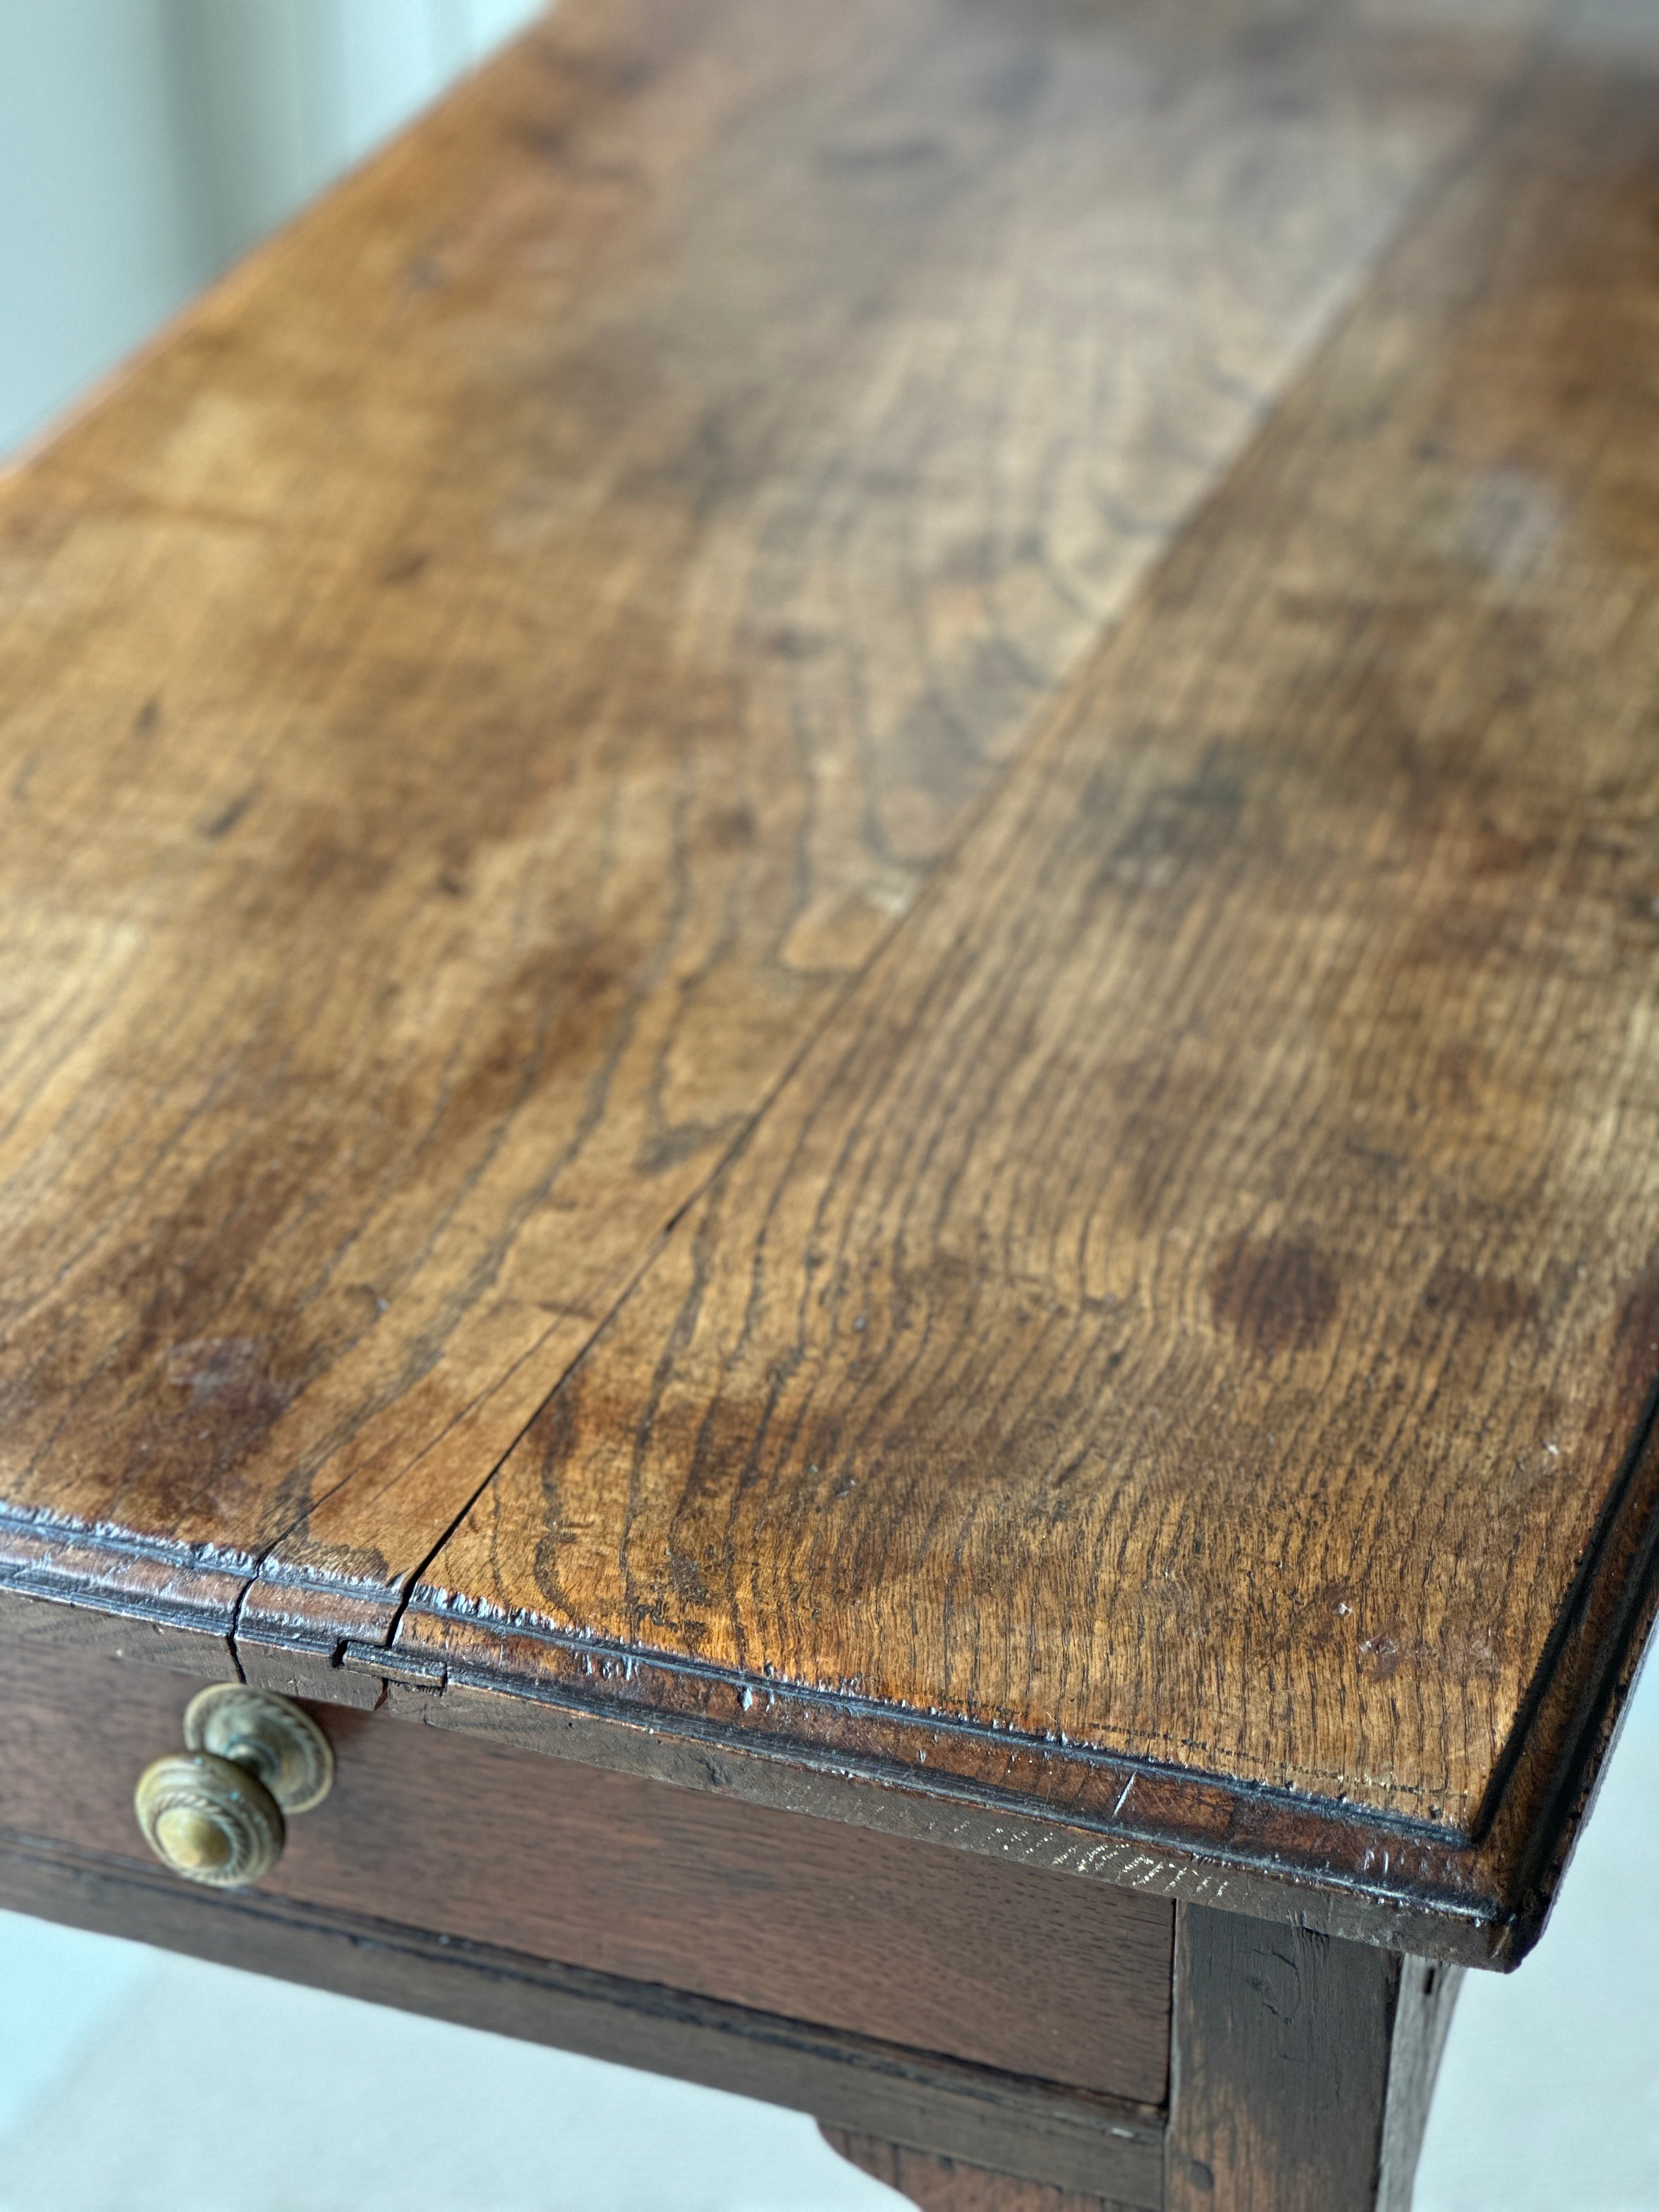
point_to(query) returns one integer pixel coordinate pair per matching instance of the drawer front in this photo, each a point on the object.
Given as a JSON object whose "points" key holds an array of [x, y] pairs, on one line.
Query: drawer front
{"points": [[1037, 1974]]}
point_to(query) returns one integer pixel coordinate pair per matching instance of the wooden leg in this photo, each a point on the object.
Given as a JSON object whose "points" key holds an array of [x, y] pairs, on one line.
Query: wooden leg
{"points": [[943, 2184], [1301, 2068]]}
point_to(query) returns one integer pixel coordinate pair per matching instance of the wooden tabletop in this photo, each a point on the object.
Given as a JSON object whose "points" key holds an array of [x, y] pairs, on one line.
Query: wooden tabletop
{"points": [[829, 902]]}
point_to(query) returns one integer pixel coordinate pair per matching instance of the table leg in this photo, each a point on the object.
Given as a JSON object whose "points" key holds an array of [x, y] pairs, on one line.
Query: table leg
{"points": [[1301, 2068]]}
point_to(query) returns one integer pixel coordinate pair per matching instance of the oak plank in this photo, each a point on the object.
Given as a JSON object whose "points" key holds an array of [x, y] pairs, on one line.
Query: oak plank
{"points": [[473, 695], [1181, 1345]]}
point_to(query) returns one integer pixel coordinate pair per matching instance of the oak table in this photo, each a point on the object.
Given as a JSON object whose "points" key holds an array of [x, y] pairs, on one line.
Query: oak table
{"points": [[828, 909]]}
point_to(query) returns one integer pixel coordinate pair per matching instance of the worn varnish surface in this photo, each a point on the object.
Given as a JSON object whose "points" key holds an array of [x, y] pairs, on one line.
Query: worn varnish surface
{"points": [[478, 703], [475, 694], [1196, 1298]]}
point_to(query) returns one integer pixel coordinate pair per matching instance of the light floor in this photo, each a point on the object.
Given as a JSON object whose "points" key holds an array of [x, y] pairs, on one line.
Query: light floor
{"points": [[131, 2082]]}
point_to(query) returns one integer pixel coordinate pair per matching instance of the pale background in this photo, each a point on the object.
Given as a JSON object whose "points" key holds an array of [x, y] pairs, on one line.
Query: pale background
{"points": [[143, 143]]}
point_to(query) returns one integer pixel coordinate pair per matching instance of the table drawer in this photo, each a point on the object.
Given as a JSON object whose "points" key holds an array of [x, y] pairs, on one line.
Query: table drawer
{"points": [[1033, 1973]]}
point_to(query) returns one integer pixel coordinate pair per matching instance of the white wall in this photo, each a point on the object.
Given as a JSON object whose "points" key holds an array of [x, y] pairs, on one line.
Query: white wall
{"points": [[100, 228], [144, 143], [288, 92]]}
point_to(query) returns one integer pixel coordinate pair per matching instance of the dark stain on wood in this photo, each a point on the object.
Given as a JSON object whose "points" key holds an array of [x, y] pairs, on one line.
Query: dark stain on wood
{"points": [[1261, 1193], [1274, 1294], [958, 1317]]}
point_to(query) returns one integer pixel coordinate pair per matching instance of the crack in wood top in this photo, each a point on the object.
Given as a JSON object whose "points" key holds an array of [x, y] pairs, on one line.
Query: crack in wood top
{"points": [[487, 701]]}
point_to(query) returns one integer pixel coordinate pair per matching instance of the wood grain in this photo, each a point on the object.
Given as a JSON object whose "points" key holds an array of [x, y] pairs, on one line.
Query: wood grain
{"points": [[477, 691], [942, 2185], [908, 1943], [960, 2111], [1194, 1304], [1423, 2007], [1303, 2069], [1282, 2042]]}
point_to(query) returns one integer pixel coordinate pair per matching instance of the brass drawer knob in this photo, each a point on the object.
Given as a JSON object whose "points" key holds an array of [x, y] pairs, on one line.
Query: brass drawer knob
{"points": [[214, 1812], [208, 1818]]}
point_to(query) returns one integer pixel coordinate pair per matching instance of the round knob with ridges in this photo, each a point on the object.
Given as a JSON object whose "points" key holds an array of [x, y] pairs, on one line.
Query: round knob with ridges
{"points": [[208, 1818], [214, 1813], [271, 1737]]}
